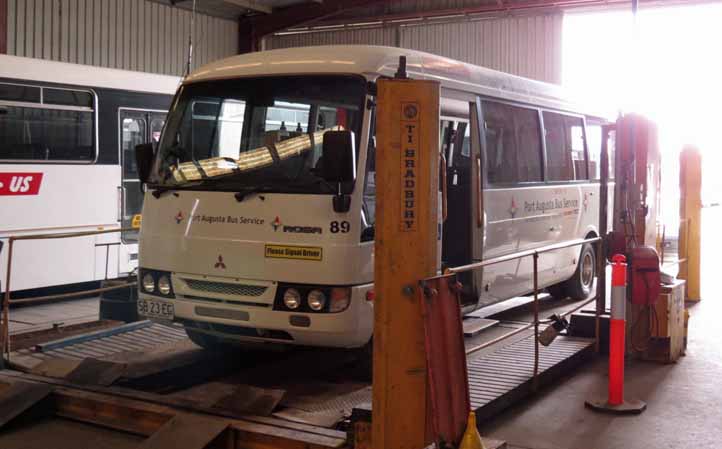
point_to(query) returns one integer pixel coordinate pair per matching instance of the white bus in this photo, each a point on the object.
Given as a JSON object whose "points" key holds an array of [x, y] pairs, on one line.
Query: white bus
{"points": [[67, 135], [248, 235]]}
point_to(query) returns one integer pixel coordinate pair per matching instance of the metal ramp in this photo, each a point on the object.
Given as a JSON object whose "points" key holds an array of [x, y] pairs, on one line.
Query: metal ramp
{"points": [[504, 376]]}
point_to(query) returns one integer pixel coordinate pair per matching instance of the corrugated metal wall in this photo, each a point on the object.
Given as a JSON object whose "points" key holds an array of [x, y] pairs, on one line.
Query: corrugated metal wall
{"points": [[126, 34], [529, 46]]}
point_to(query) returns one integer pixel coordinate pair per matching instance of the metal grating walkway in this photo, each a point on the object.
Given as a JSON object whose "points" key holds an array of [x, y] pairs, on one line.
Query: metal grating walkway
{"points": [[499, 378], [144, 339]]}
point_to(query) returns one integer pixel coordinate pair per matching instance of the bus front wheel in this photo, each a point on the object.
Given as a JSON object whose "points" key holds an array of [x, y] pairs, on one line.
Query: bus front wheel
{"points": [[579, 286]]}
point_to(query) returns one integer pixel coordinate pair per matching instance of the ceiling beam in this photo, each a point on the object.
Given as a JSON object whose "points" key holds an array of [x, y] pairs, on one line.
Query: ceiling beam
{"points": [[496, 7], [300, 14], [253, 5]]}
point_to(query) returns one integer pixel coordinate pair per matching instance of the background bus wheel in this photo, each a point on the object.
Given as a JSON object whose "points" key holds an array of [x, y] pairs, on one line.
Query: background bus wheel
{"points": [[365, 361], [120, 304], [580, 285]]}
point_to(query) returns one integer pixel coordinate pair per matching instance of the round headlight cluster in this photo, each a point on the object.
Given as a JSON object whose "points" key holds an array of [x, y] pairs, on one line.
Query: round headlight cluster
{"points": [[292, 299], [316, 300], [164, 285], [148, 283], [156, 282]]}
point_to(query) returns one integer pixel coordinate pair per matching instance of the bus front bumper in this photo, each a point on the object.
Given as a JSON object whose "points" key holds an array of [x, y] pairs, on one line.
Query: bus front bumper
{"points": [[351, 328]]}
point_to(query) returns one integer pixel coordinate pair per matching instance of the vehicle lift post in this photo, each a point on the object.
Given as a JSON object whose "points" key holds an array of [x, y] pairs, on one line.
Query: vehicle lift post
{"points": [[690, 217], [407, 172]]}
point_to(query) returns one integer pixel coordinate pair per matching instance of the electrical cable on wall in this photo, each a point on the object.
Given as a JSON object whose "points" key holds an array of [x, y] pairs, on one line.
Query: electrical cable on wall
{"points": [[190, 41]]}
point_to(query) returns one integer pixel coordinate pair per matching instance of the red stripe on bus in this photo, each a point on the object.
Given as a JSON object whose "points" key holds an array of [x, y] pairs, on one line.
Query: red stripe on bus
{"points": [[20, 183]]}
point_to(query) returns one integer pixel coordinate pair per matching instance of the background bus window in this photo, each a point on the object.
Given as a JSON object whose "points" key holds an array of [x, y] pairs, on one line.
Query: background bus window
{"points": [[216, 128], [292, 117], [513, 146], [61, 131], [156, 126], [133, 132], [594, 145], [564, 137]]}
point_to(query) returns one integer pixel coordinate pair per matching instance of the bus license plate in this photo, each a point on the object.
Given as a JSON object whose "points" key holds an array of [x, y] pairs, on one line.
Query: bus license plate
{"points": [[155, 309]]}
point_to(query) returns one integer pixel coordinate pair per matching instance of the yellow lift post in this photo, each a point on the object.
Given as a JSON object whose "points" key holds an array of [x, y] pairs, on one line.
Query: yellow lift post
{"points": [[690, 220], [407, 171]]}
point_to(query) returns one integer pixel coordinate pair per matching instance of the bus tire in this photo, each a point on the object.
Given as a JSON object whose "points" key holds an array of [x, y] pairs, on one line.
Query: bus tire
{"points": [[579, 286], [365, 360]]}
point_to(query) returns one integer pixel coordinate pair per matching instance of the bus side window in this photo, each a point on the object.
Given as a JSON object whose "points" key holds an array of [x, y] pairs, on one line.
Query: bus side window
{"points": [[513, 148], [594, 143], [58, 125], [564, 137]]}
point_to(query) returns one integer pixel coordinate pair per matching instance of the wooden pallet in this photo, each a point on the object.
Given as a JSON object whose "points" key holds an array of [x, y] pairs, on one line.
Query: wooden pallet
{"points": [[163, 425]]}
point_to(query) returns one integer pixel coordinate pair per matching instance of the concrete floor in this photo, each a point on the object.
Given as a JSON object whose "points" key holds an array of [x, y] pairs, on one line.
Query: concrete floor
{"points": [[684, 399]]}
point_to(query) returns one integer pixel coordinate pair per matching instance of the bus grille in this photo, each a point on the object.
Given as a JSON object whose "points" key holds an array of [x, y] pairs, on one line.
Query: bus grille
{"points": [[225, 288]]}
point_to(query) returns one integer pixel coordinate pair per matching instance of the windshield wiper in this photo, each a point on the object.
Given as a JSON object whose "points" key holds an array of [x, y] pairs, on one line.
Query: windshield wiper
{"points": [[160, 190], [319, 181], [244, 193]]}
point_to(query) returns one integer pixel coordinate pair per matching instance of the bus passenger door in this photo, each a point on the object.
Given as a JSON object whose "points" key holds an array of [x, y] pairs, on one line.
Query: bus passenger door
{"points": [[136, 127], [457, 243]]}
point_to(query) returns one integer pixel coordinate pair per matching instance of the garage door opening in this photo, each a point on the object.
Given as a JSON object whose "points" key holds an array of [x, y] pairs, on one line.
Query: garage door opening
{"points": [[666, 66]]}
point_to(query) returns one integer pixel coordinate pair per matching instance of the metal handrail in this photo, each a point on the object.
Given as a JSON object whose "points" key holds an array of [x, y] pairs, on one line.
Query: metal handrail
{"points": [[519, 255], [5, 331], [534, 253]]}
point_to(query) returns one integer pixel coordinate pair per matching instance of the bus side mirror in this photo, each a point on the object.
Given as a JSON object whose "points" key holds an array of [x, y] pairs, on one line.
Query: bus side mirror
{"points": [[144, 155], [338, 165], [339, 157]]}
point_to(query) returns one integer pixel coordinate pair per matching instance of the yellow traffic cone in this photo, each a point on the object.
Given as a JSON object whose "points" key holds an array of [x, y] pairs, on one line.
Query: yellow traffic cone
{"points": [[471, 438]]}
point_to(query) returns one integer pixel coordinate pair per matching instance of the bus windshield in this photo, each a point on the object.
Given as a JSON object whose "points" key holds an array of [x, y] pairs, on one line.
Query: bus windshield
{"points": [[261, 133]]}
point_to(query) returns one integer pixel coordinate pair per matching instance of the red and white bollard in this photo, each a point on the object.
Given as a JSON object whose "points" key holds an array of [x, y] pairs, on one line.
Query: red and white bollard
{"points": [[615, 403]]}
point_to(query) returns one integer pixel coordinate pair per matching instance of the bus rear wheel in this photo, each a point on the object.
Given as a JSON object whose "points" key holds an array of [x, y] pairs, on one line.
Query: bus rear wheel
{"points": [[579, 286]]}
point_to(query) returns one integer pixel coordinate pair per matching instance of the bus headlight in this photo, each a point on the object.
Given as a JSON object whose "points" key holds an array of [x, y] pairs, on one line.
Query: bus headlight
{"points": [[148, 283], [340, 299], [164, 285], [292, 298], [316, 300]]}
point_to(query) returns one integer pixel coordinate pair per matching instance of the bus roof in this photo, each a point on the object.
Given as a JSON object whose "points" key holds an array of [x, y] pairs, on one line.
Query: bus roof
{"points": [[40, 70], [374, 61]]}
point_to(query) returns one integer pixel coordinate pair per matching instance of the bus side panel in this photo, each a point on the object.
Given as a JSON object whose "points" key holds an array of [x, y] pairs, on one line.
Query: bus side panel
{"points": [[520, 219], [70, 198]]}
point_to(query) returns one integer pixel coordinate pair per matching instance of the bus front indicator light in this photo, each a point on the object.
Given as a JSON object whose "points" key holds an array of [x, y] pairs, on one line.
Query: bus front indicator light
{"points": [[148, 283], [292, 298], [316, 300], [340, 299]]}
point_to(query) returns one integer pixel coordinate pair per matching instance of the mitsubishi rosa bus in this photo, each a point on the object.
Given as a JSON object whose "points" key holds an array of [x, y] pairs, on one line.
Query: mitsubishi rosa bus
{"points": [[258, 220]]}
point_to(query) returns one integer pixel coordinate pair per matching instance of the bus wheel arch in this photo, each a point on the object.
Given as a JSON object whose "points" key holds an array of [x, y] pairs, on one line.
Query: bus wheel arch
{"points": [[580, 285]]}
